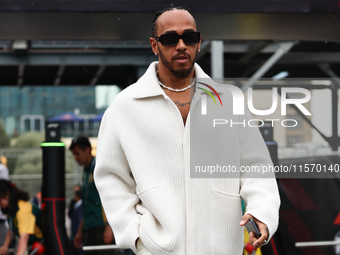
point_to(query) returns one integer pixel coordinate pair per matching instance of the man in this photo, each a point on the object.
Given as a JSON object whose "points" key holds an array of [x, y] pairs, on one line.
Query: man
{"points": [[76, 198], [93, 227], [142, 151], [75, 214]]}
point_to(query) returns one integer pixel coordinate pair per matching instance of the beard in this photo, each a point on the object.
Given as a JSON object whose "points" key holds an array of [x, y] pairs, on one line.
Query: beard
{"points": [[181, 73]]}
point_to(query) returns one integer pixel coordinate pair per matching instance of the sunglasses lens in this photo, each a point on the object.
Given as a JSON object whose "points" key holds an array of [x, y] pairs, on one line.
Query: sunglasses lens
{"points": [[169, 39], [172, 39], [191, 37]]}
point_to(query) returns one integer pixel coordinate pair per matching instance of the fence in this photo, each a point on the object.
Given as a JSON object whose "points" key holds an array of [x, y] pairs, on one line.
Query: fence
{"points": [[32, 183], [25, 167]]}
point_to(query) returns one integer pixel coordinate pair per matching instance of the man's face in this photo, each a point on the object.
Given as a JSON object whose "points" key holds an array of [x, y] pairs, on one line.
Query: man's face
{"points": [[81, 156], [178, 59], [4, 201], [76, 189]]}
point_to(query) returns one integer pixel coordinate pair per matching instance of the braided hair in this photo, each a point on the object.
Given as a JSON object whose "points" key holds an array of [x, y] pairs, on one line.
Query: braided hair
{"points": [[159, 13]]}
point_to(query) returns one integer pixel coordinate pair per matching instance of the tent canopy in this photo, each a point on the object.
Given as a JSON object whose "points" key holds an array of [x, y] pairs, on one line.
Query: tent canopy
{"points": [[66, 117], [98, 117]]}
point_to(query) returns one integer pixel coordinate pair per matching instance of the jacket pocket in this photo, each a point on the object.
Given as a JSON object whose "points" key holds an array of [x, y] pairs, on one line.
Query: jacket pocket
{"points": [[141, 192], [223, 193], [226, 233], [157, 229]]}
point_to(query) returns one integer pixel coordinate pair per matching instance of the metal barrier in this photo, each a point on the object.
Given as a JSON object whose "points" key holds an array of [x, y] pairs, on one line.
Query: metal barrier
{"points": [[85, 248], [102, 247], [314, 244]]}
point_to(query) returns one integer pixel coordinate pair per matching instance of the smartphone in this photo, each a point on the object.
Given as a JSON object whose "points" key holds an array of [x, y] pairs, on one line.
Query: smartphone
{"points": [[252, 227]]}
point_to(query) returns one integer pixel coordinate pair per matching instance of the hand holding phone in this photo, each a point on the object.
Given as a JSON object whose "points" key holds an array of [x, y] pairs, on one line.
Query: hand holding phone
{"points": [[252, 227]]}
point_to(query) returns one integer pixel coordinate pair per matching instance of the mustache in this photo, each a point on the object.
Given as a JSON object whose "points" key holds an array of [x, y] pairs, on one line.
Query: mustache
{"points": [[179, 54]]}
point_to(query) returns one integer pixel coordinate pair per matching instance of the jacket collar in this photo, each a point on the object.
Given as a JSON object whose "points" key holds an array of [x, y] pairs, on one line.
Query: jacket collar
{"points": [[148, 86]]}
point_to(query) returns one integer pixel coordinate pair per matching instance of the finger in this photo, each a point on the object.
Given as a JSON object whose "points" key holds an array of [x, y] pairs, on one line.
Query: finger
{"points": [[264, 231], [261, 225], [264, 235], [245, 219], [259, 242], [252, 239]]}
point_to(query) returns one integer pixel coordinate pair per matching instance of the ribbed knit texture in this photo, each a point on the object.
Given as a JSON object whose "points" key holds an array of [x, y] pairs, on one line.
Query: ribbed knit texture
{"points": [[142, 175]]}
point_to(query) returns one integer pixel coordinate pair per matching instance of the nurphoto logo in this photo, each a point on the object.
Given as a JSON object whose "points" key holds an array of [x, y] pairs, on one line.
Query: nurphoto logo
{"points": [[204, 97], [238, 100], [238, 103]]}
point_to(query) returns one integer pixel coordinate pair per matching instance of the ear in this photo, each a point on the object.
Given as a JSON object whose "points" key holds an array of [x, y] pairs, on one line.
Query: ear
{"points": [[154, 46], [199, 45], [88, 150]]}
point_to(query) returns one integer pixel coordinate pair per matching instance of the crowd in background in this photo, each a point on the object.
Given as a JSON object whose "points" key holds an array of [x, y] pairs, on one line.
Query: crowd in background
{"points": [[20, 216]]}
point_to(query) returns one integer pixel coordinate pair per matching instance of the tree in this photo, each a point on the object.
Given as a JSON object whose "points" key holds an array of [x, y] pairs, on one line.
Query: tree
{"points": [[4, 138], [29, 140], [29, 160]]}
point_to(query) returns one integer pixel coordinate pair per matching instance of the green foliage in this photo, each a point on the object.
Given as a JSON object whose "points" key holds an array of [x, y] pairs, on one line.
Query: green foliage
{"points": [[29, 162], [29, 140], [69, 162], [4, 138]]}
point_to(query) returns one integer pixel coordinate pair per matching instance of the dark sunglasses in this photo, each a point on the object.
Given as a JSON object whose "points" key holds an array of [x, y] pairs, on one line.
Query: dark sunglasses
{"points": [[172, 39]]}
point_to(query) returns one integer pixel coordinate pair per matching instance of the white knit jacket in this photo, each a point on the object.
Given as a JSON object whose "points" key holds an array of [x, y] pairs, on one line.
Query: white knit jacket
{"points": [[142, 175]]}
